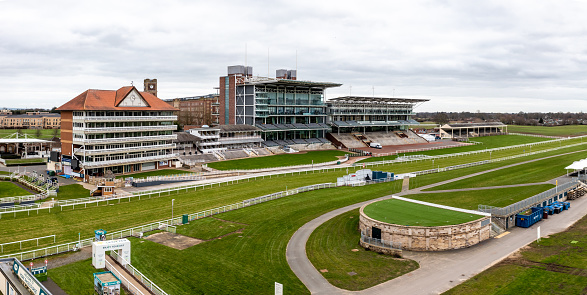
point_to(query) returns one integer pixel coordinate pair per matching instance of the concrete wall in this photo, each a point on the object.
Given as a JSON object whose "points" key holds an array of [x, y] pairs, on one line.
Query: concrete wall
{"points": [[422, 238]]}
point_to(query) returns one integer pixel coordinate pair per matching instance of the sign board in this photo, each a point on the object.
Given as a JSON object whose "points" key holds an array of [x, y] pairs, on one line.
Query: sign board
{"points": [[27, 279], [100, 235], [39, 270], [278, 288], [99, 251]]}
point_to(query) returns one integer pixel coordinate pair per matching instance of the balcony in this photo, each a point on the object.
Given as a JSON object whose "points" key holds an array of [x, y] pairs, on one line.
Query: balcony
{"points": [[82, 152], [123, 118], [125, 129], [89, 165], [124, 139]]}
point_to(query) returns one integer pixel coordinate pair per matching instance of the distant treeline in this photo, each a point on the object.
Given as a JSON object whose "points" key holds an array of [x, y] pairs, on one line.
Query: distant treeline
{"points": [[521, 118]]}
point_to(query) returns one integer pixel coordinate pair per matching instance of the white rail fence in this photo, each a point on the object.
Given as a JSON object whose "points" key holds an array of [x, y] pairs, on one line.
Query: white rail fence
{"points": [[125, 282], [27, 240], [138, 275], [167, 224]]}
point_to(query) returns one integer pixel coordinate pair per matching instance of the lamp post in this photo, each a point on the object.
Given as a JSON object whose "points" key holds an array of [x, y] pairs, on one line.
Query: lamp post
{"points": [[172, 200]]}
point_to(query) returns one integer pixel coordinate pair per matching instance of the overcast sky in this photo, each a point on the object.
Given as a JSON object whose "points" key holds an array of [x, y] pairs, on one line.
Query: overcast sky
{"points": [[492, 56]]}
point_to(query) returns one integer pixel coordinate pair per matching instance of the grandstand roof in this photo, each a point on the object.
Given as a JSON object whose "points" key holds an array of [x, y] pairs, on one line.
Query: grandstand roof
{"points": [[467, 125], [375, 99], [287, 82]]}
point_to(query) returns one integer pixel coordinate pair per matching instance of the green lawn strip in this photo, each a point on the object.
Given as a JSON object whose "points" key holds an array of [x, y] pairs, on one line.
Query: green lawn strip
{"points": [[5, 172], [13, 162], [567, 130], [76, 278], [538, 171], [280, 160], [208, 228], [45, 133], [407, 213], [330, 247], [161, 172], [72, 191], [559, 249], [9, 189], [463, 159], [247, 263], [488, 143], [510, 277], [67, 223], [499, 197]]}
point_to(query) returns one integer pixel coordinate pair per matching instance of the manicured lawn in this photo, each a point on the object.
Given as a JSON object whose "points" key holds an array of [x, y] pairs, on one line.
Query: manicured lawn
{"points": [[554, 265], [247, 263], [567, 130], [538, 171], [330, 247], [162, 172], [76, 278], [14, 162], [489, 142], [499, 197], [209, 228], [5, 173], [406, 213], [72, 191], [9, 189], [45, 133], [279, 160]]}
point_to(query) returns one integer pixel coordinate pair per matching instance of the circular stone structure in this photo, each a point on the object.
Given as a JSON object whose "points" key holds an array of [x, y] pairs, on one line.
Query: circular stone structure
{"points": [[415, 237]]}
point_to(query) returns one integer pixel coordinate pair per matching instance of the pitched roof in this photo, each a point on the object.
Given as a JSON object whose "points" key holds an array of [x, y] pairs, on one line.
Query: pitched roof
{"points": [[108, 100]]}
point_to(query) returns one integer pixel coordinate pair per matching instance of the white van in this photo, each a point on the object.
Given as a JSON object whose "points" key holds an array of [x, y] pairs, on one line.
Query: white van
{"points": [[375, 145]]}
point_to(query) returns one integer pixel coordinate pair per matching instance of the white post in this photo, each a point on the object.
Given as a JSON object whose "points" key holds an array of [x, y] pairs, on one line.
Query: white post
{"points": [[538, 232], [172, 200]]}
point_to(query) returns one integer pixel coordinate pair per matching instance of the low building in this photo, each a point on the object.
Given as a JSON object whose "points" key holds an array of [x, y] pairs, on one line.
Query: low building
{"points": [[466, 130], [30, 120], [196, 110]]}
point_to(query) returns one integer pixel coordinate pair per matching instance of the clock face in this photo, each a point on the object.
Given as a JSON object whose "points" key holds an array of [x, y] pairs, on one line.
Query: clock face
{"points": [[151, 86]]}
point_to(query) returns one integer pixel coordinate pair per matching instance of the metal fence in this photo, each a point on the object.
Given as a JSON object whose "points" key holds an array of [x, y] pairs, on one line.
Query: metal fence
{"points": [[138, 275], [381, 243], [125, 282], [529, 202]]}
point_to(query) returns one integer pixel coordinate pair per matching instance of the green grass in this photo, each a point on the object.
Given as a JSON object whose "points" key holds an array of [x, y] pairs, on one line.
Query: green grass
{"points": [[9, 189], [67, 223], [45, 133], [567, 130], [514, 276], [248, 263], [76, 278], [161, 172], [499, 197], [406, 213], [330, 247], [5, 173], [209, 228], [72, 191], [279, 160], [14, 162], [538, 171], [489, 142]]}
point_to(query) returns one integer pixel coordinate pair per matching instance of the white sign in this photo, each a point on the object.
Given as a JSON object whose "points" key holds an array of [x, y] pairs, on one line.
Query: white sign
{"points": [[99, 251], [538, 232], [27, 279], [278, 289]]}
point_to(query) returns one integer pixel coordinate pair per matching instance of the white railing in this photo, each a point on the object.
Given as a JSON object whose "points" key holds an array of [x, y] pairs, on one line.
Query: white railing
{"points": [[125, 139], [187, 176], [534, 135], [27, 240], [130, 160], [126, 149], [126, 118], [137, 274], [124, 129], [129, 286]]}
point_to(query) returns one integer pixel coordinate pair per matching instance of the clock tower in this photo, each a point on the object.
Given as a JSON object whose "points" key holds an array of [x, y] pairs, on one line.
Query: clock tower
{"points": [[151, 86]]}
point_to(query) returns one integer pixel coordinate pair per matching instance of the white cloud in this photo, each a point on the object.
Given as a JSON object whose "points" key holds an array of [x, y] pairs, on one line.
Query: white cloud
{"points": [[505, 56]]}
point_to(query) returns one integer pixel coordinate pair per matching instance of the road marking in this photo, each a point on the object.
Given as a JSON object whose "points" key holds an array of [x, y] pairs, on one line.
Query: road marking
{"points": [[502, 235]]}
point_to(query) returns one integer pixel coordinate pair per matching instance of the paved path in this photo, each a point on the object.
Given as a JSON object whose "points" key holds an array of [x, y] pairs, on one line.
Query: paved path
{"points": [[440, 270], [135, 287]]}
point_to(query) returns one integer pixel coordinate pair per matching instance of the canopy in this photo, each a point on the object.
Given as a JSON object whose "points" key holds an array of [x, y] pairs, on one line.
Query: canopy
{"points": [[578, 165]]}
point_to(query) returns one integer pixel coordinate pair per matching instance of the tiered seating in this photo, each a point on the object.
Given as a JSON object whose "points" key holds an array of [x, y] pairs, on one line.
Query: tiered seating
{"points": [[348, 140], [262, 152], [270, 143], [313, 140], [324, 140], [236, 154], [300, 141]]}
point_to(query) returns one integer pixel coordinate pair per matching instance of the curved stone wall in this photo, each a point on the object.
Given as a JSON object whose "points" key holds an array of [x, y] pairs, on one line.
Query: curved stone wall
{"points": [[425, 238]]}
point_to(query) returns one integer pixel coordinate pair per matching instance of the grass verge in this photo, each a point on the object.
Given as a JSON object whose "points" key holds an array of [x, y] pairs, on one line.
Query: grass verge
{"points": [[567, 130], [555, 265], [9, 189], [333, 247], [281, 160]]}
